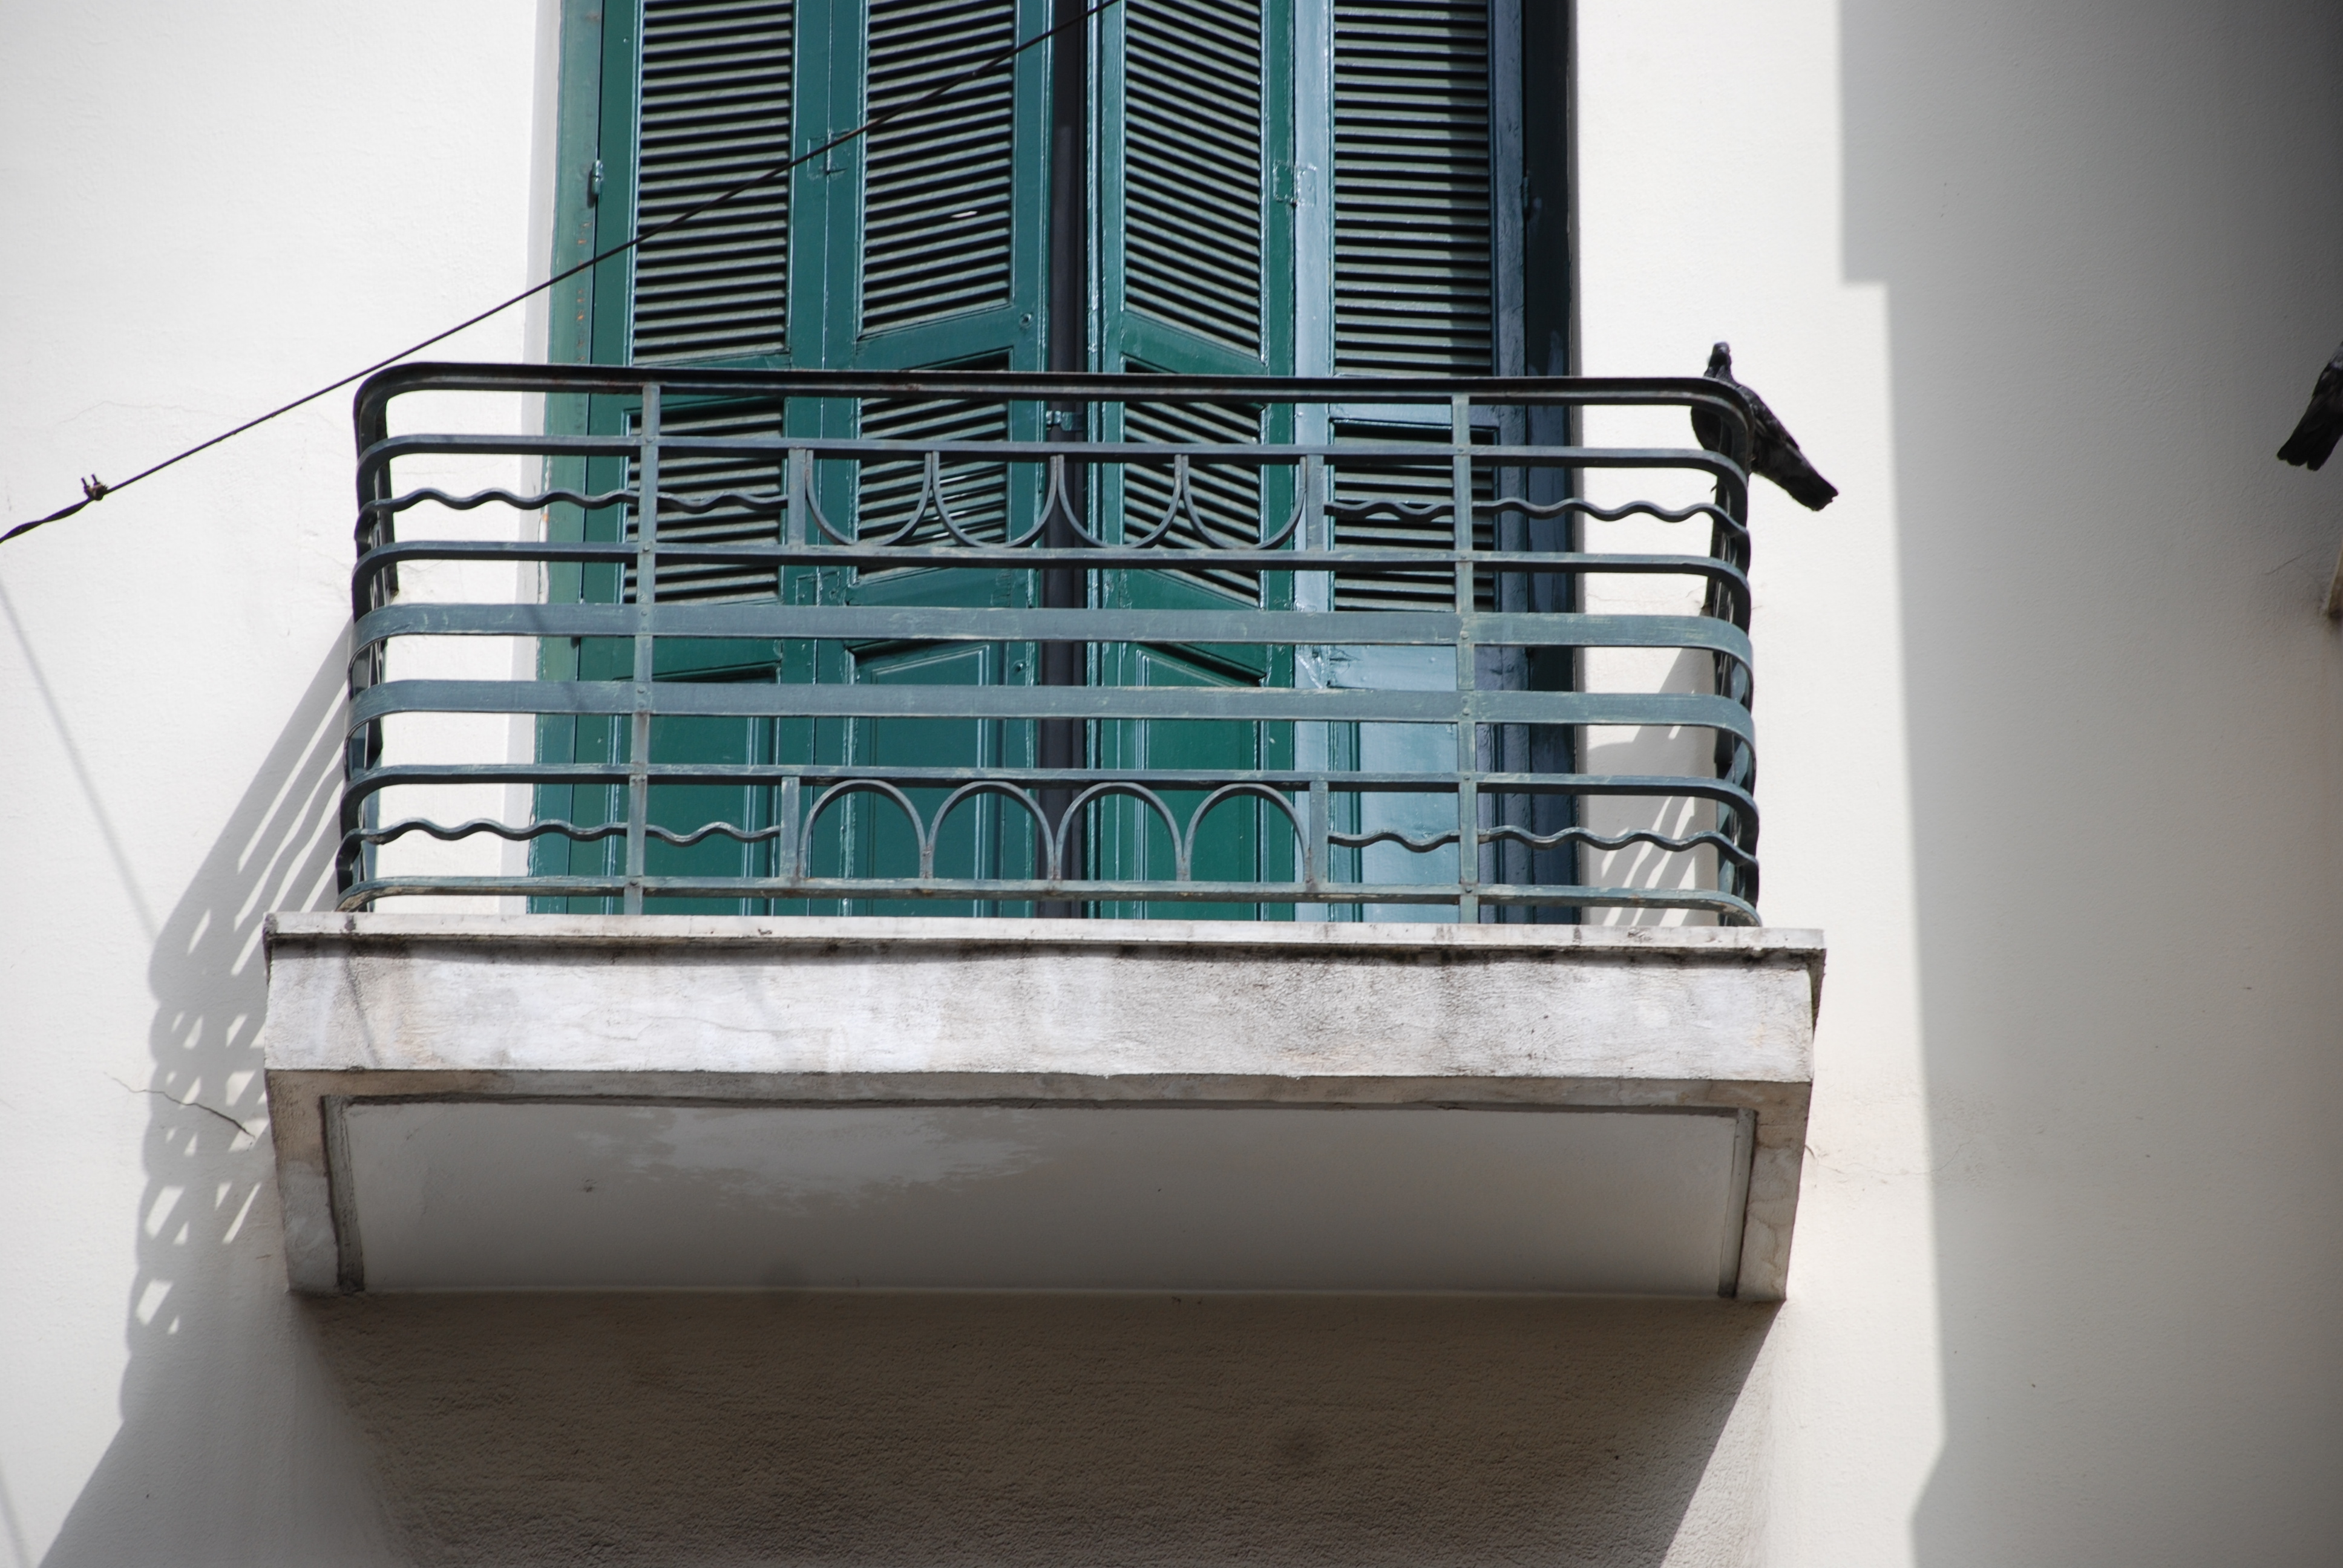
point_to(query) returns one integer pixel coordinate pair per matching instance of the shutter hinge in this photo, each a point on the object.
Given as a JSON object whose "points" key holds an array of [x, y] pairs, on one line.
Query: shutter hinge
{"points": [[594, 185], [1281, 183]]}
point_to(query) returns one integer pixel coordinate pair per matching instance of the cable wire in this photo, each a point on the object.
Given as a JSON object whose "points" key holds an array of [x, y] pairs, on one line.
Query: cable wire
{"points": [[93, 489]]}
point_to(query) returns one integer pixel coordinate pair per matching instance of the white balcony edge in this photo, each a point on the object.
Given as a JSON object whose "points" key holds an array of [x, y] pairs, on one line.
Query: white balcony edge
{"points": [[650, 1009]]}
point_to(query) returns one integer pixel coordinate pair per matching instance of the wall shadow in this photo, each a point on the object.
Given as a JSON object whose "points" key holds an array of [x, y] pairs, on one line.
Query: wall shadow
{"points": [[2112, 241], [223, 1455], [1004, 1429]]}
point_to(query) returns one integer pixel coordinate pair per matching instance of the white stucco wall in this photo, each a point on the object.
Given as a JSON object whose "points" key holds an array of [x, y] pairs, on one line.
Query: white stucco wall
{"points": [[2051, 751], [210, 210], [2049, 735]]}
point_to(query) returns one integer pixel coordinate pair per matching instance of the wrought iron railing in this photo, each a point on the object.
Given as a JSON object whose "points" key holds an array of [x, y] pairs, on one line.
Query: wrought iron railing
{"points": [[803, 642]]}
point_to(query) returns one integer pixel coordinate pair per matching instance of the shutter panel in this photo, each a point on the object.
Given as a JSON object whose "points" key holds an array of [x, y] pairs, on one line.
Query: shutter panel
{"points": [[715, 109], [977, 493], [1193, 163], [1196, 274], [950, 259], [702, 480], [1412, 251], [1197, 256], [1411, 216], [938, 188]]}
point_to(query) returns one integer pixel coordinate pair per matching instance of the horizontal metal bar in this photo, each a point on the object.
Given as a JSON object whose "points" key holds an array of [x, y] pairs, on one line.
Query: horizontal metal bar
{"points": [[389, 776], [775, 620], [1016, 891], [1347, 562], [1018, 558], [1228, 704], [373, 396], [1015, 386], [1238, 454]]}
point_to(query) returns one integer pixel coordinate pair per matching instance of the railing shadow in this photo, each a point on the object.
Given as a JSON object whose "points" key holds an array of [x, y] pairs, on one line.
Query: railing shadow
{"points": [[796, 1427], [218, 1350]]}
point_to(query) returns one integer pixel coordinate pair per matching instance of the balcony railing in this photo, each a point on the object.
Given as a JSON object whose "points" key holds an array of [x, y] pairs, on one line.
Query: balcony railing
{"points": [[983, 642]]}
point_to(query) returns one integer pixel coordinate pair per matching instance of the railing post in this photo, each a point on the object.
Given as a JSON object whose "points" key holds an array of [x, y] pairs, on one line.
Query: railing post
{"points": [[1468, 673], [786, 868], [797, 530], [1063, 744], [639, 750], [1314, 847]]}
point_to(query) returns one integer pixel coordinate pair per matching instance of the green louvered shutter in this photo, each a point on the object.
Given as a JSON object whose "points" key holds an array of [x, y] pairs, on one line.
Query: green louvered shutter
{"points": [[1196, 271], [926, 247], [1412, 217], [716, 97], [921, 246], [1413, 240], [950, 251], [954, 194], [1417, 276], [1197, 240]]}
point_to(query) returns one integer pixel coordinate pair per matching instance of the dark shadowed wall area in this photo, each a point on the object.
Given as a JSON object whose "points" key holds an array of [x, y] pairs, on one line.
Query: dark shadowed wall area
{"points": [[903, 1429]]}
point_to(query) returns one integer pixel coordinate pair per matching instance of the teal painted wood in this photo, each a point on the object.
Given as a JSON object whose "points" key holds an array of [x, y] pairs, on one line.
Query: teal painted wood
{"points": [[1170, 91], [692, 96], [949, 235], [714, 109], [1413, 244], [945, 265], [1195, 168], [1196, 234], [579, 176]]}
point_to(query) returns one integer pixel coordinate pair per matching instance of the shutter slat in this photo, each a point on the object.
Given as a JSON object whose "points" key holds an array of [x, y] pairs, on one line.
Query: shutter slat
{"points": [[1411, 228], [698, 475], [937, 190], [977, 492], [716, 79], [1412, 251], [1192, 167]]}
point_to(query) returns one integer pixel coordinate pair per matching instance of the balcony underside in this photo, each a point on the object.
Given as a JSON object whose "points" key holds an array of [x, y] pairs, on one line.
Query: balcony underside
{"points": [[664, 1101]]}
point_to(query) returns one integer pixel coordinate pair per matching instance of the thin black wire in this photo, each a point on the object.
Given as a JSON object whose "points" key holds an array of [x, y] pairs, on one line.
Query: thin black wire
{"points": [[93, 490]]}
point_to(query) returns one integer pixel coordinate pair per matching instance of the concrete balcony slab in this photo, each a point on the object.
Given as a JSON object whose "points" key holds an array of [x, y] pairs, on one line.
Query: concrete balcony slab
{"points": [[482, 1102]]}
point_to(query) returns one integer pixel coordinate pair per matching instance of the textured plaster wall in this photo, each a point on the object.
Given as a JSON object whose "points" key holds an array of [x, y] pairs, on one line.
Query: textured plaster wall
{"points": [[2051, 749], [209, 209]]}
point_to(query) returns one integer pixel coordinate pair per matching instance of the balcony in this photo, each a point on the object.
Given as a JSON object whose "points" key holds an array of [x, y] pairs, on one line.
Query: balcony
{"points": [[1287, 747]]}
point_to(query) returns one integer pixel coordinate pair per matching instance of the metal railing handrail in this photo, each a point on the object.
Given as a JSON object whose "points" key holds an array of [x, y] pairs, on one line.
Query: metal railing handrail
{"points": [[1476, 532]]}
